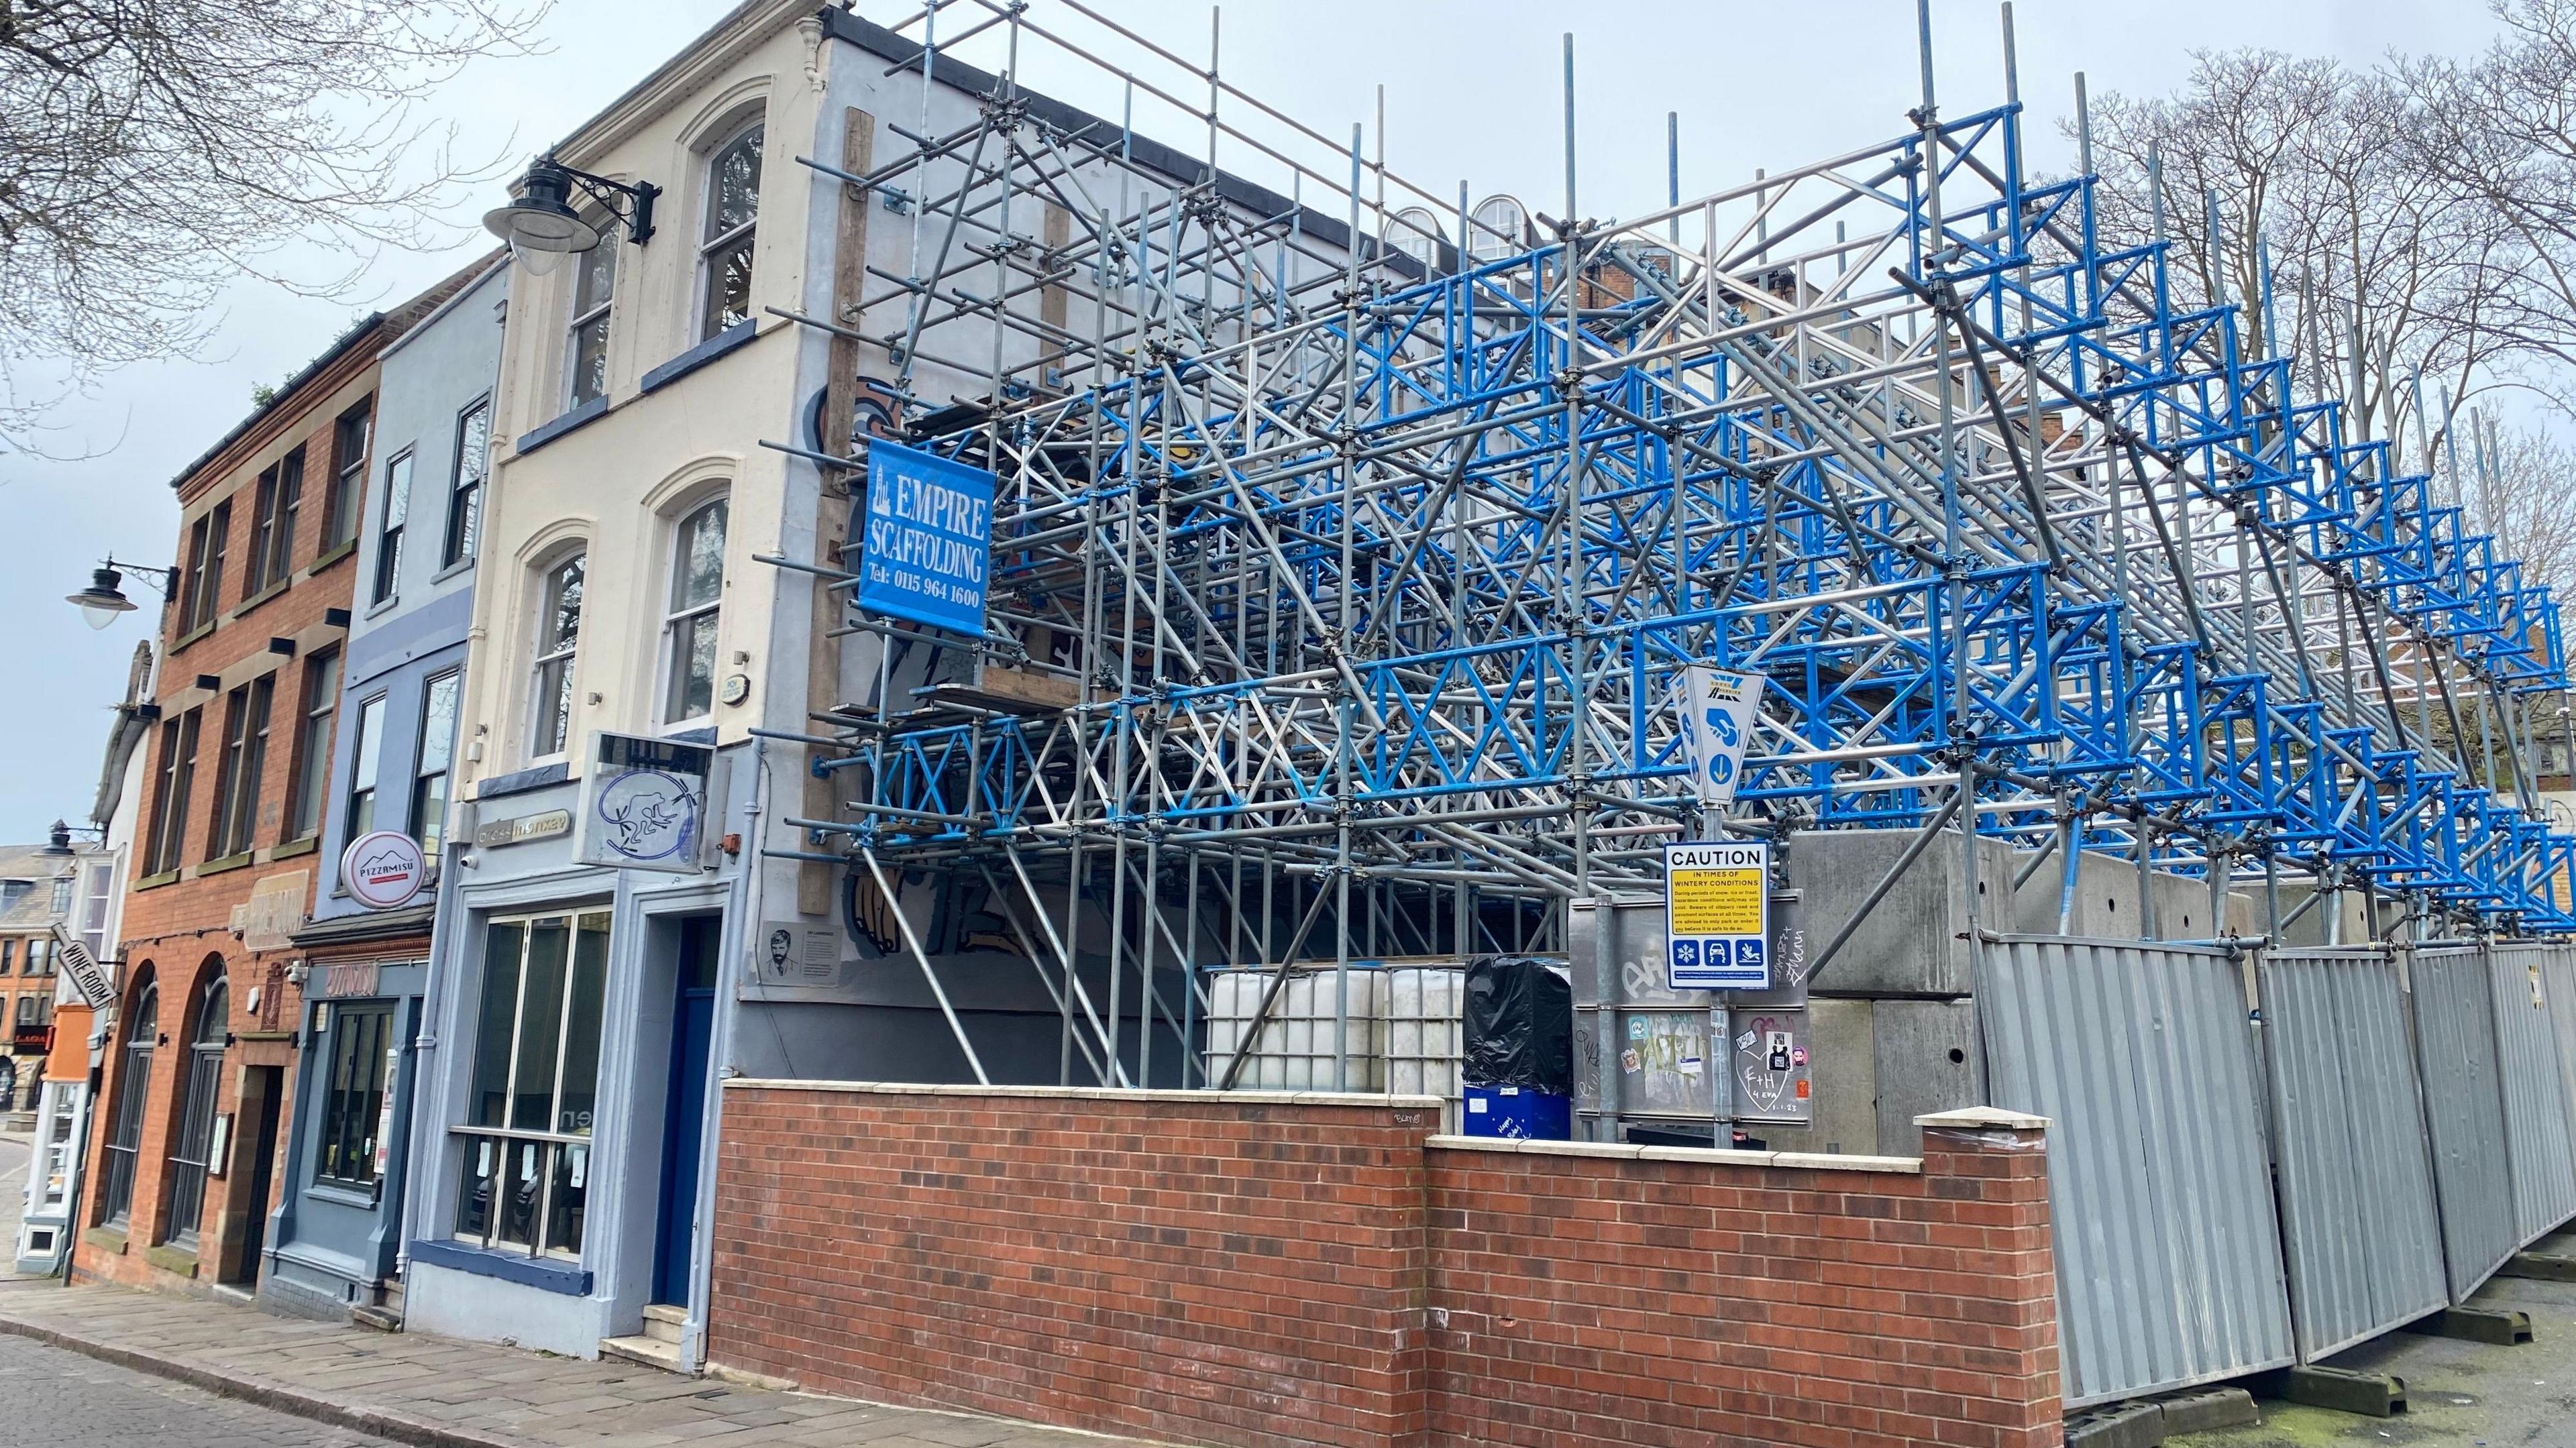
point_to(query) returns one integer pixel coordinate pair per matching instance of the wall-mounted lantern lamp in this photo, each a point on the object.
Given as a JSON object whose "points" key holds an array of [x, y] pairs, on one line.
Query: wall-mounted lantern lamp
{"points": [[541, 225], [105, 598]]}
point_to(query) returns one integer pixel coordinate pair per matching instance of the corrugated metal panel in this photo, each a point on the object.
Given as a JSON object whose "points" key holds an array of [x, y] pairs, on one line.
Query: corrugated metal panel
{"points": [[2455, 1043], [2558, 972], [2361, 1233], [2168, 1251], [2535, 1093]]}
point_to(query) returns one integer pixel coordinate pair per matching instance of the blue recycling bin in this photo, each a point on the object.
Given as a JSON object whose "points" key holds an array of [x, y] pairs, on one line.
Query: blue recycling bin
{"points": [[1519, 1113]]}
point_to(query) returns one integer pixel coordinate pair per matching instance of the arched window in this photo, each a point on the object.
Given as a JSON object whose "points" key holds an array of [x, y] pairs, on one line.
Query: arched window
{"points": [[133, 1089], [558, 636], [1498, 228], [210, 1026], [1415, 232], [689, 620], [733, 209]]}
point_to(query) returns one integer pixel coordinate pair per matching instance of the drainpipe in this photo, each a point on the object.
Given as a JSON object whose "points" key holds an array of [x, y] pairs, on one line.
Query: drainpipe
{"points": [[742, 917]]}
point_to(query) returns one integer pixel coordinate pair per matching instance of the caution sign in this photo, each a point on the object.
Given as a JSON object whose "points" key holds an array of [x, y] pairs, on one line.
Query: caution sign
{"points": [[1717, 916]]}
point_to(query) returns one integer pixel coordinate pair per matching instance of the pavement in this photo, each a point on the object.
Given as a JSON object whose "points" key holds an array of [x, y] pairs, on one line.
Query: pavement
{"points": [[420, 1389], [2459, 1394]]}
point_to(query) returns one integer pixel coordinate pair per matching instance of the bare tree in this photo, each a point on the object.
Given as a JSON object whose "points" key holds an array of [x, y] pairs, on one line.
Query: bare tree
{"points": [[2514, 482], [152, 151], [2501, 130], [2284, 186]]}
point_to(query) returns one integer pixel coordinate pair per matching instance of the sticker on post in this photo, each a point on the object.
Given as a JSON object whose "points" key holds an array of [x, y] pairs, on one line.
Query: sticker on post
{"points": [[1717, 916]]}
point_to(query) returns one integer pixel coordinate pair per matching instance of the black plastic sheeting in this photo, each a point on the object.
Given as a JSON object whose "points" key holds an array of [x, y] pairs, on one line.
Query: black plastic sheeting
{"points": [[1520, 1024]]}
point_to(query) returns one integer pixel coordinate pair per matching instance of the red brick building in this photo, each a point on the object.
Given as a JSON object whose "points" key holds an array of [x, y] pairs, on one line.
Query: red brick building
{"points": [[187, 1146]]}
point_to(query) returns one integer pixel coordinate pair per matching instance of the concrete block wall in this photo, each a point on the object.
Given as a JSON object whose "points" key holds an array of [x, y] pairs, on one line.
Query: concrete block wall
{"points": [[1268, 1269]]}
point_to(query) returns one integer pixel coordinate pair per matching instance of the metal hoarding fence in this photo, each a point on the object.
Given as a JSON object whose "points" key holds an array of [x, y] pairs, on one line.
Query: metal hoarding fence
{"points": [[2558, 976], [2362, 1234], [2169, 1269], [2455, 1044], [2535, 1091]]}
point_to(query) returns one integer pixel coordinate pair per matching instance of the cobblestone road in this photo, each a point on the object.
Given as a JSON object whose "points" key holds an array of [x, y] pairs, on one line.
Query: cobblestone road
{"points": [[64, 1400]]}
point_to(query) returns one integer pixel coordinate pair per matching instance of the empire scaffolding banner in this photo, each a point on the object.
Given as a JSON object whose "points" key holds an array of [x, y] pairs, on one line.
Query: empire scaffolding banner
{"points": [[928, 538]]}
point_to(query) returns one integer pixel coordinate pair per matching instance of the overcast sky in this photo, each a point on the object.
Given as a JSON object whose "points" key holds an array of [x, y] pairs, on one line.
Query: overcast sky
{"points": [[1472, 92]]}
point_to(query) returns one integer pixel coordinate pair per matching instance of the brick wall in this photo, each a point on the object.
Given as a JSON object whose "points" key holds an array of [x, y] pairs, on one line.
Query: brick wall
{"points": [[1260, 1269], [1644, 1295], [1243, 1269]]}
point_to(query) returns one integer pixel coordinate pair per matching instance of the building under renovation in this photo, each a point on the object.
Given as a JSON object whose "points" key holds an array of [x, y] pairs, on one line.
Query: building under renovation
{"points": [[1209, 589]]}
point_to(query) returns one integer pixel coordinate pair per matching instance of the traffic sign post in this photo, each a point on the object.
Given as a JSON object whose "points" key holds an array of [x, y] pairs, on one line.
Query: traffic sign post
{"points": [[1717, 916]]}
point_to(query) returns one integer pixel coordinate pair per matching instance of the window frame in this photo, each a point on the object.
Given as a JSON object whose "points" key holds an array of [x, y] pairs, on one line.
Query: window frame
{"points": [[235, 824], [366, 762], [191, 1161], [392, 528], [464, 533], [555, 1159], [280, 492], [175, 781], [315, 725], [600, 313], [343, 510], [97, 898], [351, 1109], [202, 587], [713, 244], [428, 815], [123, 1144], [678, 615], [554, 659]]}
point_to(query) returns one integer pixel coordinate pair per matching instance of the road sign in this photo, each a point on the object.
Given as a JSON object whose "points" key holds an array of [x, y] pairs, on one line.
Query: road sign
{"points": [[1718, 710], [1717, 916], [928, 539]]}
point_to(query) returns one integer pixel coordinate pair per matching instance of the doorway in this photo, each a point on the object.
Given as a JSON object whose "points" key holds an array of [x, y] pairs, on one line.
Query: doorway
{"points": [[262, 1088], [692, 1033]]}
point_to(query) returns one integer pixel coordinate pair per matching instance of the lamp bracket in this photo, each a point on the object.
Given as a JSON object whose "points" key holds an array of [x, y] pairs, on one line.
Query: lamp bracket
{"points": [[164, 577], [630, 204]]}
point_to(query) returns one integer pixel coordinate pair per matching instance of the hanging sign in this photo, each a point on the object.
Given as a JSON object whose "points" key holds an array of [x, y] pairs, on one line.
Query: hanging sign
{"points": [[384, 870], [643, 804], [1717, 916], [88, 976], [1718, 710], [928, 539]]}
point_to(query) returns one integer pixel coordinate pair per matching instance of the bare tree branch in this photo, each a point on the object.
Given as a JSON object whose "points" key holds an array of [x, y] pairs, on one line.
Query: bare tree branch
{"points": [[153, 151]]}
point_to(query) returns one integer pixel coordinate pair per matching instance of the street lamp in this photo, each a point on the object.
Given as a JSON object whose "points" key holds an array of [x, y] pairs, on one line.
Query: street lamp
{"points": [[105, 598], [541, 225]]}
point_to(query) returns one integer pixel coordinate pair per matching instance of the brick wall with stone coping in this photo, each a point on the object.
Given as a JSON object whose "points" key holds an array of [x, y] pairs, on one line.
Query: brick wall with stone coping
{"points": [[1269, 1269]]}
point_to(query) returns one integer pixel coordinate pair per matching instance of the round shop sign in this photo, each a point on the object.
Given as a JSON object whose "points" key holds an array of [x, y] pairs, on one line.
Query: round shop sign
{"points": [[384, 870]]}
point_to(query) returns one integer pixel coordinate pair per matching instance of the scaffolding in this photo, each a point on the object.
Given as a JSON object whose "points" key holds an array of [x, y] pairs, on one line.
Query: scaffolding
{"points": [[1350, 542]]}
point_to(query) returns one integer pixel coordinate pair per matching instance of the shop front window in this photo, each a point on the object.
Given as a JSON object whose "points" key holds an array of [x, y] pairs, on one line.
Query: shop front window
{"points": [[526, 1140], [360, 1049]]}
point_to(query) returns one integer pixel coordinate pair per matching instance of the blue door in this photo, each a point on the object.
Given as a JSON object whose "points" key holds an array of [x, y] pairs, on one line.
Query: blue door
{"points": [[692, 1030]]}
